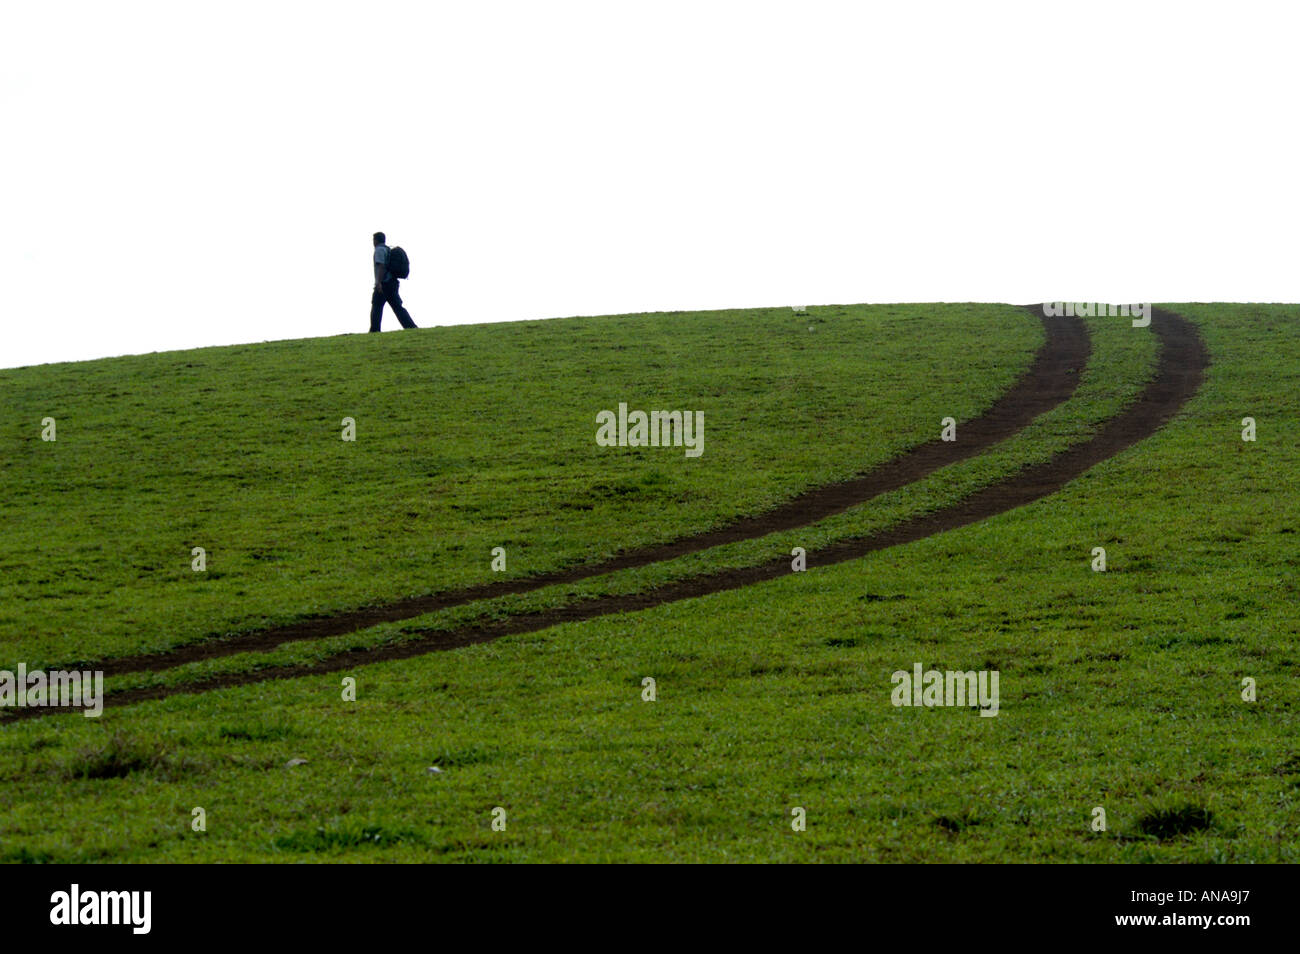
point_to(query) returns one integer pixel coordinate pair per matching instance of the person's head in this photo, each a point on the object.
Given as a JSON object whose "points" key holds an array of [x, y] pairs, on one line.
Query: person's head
{"points": [[380, 238]]}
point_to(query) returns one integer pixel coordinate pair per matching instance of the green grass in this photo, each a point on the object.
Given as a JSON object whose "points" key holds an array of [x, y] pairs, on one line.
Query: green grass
{"points": [[1119, 690]]}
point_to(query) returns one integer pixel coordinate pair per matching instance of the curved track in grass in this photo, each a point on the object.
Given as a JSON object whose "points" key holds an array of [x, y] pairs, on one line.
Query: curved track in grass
{"points": [[1181, 365]]}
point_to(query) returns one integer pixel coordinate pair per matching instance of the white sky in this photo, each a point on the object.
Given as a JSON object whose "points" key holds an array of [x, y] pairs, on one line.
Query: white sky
{"points": [[178, 174]]}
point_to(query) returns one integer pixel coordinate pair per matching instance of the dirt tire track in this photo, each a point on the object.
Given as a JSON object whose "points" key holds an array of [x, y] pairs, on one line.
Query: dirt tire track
{"points": [[1180, 369], [1050, 380]]}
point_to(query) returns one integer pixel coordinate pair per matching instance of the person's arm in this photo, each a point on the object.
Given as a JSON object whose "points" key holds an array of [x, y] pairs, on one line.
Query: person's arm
{"points": [[379, 275]]}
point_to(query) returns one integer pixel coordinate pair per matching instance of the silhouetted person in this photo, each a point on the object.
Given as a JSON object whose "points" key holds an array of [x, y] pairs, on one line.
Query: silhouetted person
{"points": [[386, 289]]}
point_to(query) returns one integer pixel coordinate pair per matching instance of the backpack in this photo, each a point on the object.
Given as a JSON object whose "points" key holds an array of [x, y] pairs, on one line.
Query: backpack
{"points": [[399, 266]]}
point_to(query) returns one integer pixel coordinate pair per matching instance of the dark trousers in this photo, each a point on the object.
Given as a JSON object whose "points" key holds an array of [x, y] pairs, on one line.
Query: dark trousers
{"points": [[388, 293]]}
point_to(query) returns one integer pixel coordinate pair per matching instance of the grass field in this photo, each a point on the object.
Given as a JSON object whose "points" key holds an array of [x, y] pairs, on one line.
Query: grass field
{"points": [[1120, 690]]}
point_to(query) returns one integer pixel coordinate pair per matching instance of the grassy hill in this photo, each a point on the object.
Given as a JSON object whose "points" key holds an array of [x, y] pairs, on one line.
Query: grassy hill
{"points": [[1120, 690]]}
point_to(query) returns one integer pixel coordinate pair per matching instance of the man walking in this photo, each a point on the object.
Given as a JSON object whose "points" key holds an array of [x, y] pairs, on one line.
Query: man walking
{"points": [[386, 289]]}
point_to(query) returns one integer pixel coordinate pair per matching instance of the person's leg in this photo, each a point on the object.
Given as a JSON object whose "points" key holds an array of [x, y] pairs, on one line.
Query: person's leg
{"points": [[394, 299], [376, 310]]}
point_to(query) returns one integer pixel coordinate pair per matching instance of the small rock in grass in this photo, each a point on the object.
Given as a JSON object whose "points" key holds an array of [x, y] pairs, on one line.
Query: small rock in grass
{"points": [[433, 770], [292, 762]]}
